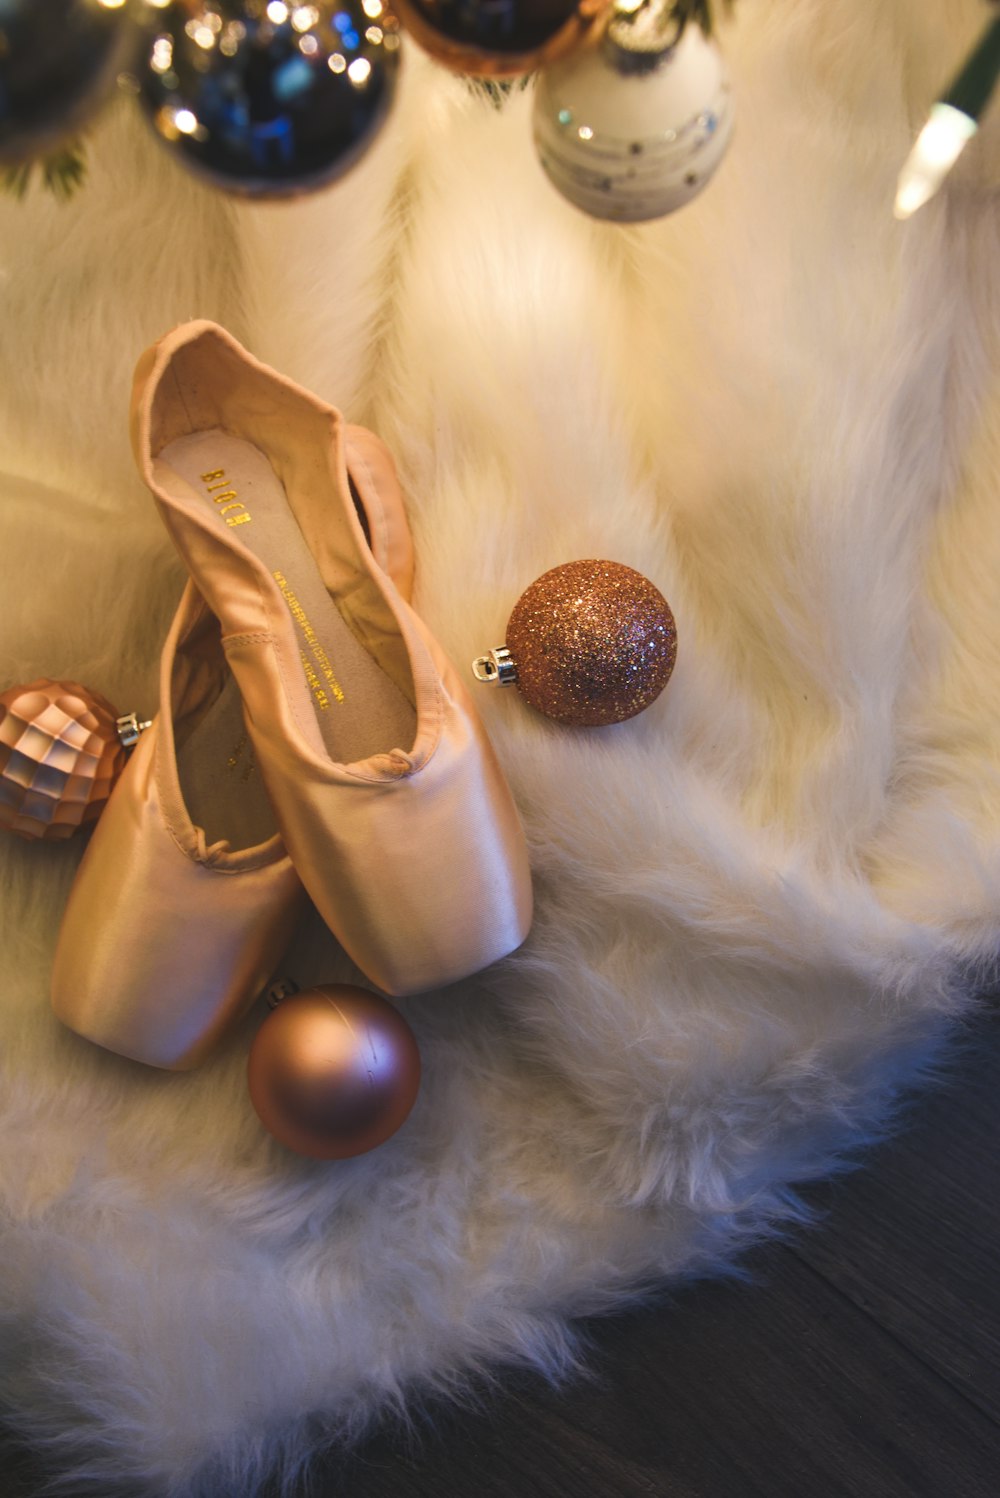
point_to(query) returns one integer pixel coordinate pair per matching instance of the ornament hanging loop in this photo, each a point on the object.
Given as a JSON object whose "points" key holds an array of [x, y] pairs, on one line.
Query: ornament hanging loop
{"points": [[496, 667]]}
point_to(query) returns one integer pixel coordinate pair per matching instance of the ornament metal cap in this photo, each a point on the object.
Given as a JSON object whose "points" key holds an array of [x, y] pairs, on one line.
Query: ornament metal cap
{"points": [[497, 667], [641, 35], [129, 729], [279, 989]]}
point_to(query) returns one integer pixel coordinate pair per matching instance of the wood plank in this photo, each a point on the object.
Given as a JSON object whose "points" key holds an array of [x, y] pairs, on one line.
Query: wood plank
{"points": [[913, 1240], [781, 1388]]}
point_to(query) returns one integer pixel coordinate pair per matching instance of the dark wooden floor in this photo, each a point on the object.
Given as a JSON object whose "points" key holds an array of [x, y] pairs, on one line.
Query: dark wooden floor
{"points": [[861, 1361]]}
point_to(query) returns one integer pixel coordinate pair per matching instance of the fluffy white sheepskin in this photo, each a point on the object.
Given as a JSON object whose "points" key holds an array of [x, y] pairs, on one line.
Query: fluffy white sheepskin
{"points": [[759, 906]]}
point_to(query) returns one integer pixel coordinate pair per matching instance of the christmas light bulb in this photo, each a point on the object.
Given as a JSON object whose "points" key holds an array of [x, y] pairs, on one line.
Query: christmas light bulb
{"points": [[937, 148], [953, 122]]}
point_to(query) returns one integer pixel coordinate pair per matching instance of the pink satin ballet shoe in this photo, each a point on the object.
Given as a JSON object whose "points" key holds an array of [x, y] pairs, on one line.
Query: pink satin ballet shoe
{"points": [[386, 789], [186, 899]]}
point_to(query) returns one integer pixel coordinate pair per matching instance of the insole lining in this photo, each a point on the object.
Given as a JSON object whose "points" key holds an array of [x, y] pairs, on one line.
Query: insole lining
{"points": [[359, 709], [219, 780]]}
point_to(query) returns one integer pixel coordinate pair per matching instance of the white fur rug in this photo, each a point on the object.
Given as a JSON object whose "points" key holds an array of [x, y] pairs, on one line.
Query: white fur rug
{"points": [[760, 905]]}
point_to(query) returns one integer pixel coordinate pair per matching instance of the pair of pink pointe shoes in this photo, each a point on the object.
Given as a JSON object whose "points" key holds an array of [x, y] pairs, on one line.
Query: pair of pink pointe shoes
{"points": [[311, 732]]}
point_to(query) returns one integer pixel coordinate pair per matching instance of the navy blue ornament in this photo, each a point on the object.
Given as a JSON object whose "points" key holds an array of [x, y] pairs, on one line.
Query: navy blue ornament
{"points": [[268, 100], [58, 62]]}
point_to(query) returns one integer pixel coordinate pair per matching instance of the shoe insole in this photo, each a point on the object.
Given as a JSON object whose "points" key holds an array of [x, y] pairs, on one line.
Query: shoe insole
{"points": [[360, 710], [220, 782]]}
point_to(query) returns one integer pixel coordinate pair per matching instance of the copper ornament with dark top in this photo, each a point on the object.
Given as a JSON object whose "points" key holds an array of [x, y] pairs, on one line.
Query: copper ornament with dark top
{"points": [[62, 747], [498, 38], [588, 644]]}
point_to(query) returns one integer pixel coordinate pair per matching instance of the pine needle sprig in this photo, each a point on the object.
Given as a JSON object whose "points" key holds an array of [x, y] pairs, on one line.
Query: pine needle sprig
{"points": [[61, 172]]}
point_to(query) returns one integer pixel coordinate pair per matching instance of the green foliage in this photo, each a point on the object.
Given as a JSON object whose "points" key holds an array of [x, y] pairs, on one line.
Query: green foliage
{"points": [[61, 172]]}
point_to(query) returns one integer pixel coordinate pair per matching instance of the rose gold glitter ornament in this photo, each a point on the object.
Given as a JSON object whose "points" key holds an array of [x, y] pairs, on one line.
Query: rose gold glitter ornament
{"points": [[589, 643], [62, 747], [333, 1071], [497, 38]]}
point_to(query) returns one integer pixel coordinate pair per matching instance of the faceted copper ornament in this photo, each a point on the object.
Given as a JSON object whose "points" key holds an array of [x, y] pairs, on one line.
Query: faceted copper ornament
{"points": [[333, 1071], [60, 754], [588, 644], [498, 38]]}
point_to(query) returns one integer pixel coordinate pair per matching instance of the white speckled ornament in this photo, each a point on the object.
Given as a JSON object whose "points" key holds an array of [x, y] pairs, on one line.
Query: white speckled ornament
{"points": [[634, 126]]}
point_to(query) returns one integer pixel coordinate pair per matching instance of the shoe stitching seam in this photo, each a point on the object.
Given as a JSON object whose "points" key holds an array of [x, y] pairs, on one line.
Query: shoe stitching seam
{"points": [[167, 819], [248, 637], [439, 724], [162, 789]]}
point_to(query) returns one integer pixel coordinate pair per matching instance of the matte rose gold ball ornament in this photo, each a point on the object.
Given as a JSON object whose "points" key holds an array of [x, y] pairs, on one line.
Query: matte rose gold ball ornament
{"points": [[62, 747], [589, 643], [333, 1071], [497, 38]]}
